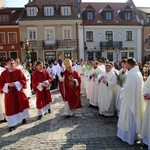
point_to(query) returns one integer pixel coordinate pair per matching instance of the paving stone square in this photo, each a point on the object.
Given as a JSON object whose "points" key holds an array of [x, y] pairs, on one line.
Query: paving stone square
{"points": [[84, 131]]}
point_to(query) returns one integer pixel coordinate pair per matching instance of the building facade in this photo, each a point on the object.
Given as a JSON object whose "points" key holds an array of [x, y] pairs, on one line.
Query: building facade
{"points": [[51, 28], [9, 33], [110, 30], [145, 11]]}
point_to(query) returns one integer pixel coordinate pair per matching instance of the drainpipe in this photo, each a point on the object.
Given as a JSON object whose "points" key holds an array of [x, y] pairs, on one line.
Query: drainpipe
{"points": [[77, 38], [142, 50]]}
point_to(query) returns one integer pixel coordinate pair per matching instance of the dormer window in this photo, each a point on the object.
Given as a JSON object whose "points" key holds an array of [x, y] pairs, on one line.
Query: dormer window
{"points": [[127, 15], [108, 15], [65, 10], [32, 11], [4, 17], [49, 11], [90, 15]]}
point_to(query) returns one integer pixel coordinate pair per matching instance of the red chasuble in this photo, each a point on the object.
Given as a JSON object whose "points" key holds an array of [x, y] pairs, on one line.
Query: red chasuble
{"points": [[15, 101], [72, 92], [43, 97]]}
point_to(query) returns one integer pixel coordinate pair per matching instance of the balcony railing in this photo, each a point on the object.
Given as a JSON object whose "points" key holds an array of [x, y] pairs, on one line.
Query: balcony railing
{"points": [[67, 43], [111, 45], [31, 44], [48, 44], [35, 44]]}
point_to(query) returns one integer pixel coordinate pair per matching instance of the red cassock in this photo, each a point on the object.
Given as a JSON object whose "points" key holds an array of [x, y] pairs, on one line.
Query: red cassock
{"points": [[15, 101], [72, 92], [43, 98]]}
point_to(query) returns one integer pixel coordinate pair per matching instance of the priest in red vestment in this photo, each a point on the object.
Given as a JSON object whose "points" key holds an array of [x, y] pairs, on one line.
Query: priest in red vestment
{"points": [[13, 83], [41, 83], [71, 85]]}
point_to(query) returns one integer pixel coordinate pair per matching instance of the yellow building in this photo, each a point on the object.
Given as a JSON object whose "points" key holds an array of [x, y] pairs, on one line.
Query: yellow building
{"points": [[51, 28]]}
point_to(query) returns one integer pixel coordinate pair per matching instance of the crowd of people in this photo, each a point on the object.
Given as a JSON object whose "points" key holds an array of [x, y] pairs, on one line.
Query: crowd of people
{"points": [[121, 88]]}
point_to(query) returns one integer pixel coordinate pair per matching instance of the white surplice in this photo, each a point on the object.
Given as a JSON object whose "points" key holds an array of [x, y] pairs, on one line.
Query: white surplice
{"points": [[122, 77], [132, 107], [146, 121], [2, 109], [28, 80], [80, 70], [94, 87], [106, 98]]}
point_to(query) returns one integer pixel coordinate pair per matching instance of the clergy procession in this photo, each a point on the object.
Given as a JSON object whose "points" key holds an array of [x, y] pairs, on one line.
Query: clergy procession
{"points": [[119, 89]]}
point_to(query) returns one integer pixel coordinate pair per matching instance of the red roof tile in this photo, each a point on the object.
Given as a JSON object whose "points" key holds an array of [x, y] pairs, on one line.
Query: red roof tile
{"points": [[117, 8], [13, 13]]}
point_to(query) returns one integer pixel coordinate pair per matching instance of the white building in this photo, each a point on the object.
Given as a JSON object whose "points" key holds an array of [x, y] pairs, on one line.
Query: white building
{"points": [[110, 30]]}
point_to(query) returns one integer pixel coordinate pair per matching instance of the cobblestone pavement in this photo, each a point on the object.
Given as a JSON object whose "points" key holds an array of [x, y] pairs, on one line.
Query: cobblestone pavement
{"points": [[85, 131]]}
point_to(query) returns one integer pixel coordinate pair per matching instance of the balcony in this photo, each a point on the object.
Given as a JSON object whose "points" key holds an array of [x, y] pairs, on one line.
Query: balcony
{"points": [[67, 43], [111, 45], [35, 44], [48, 44], [31, 44]]}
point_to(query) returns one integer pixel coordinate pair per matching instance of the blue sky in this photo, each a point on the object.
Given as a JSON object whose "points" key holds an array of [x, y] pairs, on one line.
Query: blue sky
{"points": [[21, 3]]}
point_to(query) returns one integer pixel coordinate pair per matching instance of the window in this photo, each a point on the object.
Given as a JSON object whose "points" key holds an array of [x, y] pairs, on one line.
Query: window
{"points": [[4, 18], [49, 33], [148, 20], [108, 15], [31, 11], [89, 36], [34, 56], [148, 40], [66, 10], [131, 54], [49, 55], [2, 55], [110, 56], [109, 36], [67, 54], [90, 15], [32, 33], [13, 55], [124, 55], [12, 37], [128, 35], [2, 38], [67, 32], [49, 11], [127, 16]]}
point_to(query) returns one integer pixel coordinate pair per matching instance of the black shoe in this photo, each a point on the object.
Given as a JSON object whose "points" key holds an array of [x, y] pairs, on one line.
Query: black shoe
{"points": [[91, 106], [24, 121], [2, 121], [67, 116], [101, 115], [144, 146], [45, 113], [49, 111], [12, 128], [39, 117]]}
